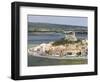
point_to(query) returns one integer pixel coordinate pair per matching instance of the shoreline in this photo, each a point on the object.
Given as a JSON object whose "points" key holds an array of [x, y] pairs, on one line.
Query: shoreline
{"points": [[58, 57]]}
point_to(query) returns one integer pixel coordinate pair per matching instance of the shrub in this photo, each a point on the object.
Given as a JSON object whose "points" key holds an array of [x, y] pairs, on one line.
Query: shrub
{"points": [[63, 42]]}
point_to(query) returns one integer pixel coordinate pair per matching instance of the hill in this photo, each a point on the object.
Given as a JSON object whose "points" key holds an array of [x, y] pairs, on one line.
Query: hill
{"points": [[54, 27]]}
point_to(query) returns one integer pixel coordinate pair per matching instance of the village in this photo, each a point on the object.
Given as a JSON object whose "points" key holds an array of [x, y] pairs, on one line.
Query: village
{"points": [[70, 46]]}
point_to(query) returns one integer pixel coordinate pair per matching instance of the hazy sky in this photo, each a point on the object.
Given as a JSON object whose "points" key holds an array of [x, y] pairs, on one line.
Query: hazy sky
{"points": [[79, 21]]}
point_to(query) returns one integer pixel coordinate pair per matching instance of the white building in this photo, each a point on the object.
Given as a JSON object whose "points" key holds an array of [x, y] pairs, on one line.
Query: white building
{"points": [[70, 36]]}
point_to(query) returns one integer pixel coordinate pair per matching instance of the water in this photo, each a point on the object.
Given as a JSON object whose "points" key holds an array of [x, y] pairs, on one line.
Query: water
{"points": [[37, 61], [40, 37]]}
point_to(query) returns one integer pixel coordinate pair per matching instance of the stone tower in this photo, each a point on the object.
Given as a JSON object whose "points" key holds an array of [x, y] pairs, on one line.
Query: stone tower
{"points": [[70, 36]]}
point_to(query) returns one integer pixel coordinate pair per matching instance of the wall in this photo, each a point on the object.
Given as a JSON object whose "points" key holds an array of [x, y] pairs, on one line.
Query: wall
{"points": [[5, 40]]}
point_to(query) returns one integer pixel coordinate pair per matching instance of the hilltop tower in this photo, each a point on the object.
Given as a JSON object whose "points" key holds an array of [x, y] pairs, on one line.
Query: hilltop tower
{"points": [[70, 36]]}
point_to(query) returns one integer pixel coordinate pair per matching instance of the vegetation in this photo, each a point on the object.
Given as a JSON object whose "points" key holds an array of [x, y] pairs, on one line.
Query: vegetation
{"points": [[79, 53], [63, 42], [54, 27]]}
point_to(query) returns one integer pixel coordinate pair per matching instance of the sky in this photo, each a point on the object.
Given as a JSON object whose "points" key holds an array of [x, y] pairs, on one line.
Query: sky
{"points": [[66, 20]]}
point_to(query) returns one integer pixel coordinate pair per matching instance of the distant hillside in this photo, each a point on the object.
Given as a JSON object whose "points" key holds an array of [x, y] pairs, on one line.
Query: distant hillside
{"points": [[54, 27]]}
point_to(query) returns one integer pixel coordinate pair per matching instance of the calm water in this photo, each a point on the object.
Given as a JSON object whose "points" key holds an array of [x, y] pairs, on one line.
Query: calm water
{"points": [[38, 38]]}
